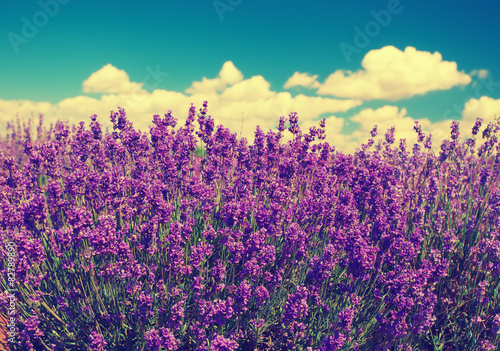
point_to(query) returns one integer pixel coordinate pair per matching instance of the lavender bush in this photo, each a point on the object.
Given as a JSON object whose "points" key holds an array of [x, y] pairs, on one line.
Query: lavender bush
{"points": [[184, 240]]}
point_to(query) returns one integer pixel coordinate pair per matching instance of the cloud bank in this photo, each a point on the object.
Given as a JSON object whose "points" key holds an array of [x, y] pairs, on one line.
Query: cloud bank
{"points": [[241, 104]]}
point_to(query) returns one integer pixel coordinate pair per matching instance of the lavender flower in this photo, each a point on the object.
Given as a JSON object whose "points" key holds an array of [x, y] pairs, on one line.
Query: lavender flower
{"points": [[220, 343], [97, 342], [455, 134], [389, 136], [184, 246]]}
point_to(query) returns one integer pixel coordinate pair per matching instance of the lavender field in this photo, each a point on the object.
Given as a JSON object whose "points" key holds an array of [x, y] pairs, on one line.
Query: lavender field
{"points": [[190, 238]]}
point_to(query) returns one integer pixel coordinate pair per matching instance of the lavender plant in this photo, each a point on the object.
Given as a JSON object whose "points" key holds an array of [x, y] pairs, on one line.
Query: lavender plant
{"points": [[184, 240]]}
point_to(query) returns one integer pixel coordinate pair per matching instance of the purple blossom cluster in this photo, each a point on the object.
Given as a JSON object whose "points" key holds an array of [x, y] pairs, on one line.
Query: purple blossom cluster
{"points": [[179, 239]]}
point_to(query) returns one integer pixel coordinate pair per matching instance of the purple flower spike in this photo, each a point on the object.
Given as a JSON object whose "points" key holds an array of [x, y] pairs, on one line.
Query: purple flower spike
{"points": [[477, 125], [97, 342], [389, 136], [220, 343]]}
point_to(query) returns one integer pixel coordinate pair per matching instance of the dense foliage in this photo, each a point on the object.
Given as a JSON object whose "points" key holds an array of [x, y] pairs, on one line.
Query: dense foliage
{"points": [[184, 240]]}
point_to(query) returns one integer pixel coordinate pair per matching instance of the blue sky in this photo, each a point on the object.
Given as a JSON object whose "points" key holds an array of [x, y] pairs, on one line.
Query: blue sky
{"points": [[354, 63]]}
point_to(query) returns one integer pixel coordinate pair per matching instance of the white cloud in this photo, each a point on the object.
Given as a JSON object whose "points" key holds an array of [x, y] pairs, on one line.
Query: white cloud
{"points": [[110, 79], [390, 74], [485, 107], [303, 80], [252, 89], [385, 117], [228, 75], [23, 108], [229, 96]]}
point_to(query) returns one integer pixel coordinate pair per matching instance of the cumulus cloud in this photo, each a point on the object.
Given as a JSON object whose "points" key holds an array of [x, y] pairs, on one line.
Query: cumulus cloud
{"points": [[233, 101], [110, 79], [253, 89], [228, 75], [302, 80], [390, 74], [10, 108], [385, 117], [241, 104], [485, 107]]}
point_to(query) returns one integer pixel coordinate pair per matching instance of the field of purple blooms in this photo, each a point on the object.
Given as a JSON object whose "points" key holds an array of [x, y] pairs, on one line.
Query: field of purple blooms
{"points": [[196, 240]]}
